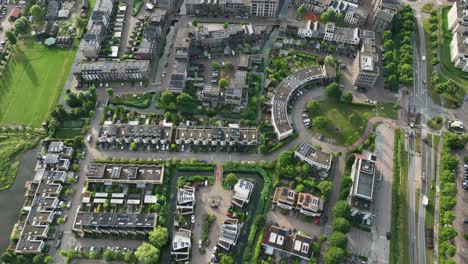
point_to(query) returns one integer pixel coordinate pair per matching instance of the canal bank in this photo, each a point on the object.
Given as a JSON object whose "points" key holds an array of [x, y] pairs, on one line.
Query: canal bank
{"points": [[12, 199]]}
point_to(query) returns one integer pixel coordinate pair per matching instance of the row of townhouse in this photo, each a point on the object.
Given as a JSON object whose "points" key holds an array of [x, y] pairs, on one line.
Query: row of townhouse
{"points": [[458, 25], [354, 13], [305, 203], [42, 198], [153, 135], [233, 135], [98, 71], [329, 32], [232, 8]]}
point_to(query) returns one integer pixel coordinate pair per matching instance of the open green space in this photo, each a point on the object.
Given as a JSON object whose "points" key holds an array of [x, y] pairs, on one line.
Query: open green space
{"points": [[13, 143], [64, 133], [347, 122], [132, 100], [32, 82], [282, 66], [447, 68]]}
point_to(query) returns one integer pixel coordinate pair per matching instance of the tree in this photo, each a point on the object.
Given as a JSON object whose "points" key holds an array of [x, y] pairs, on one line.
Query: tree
{"points": [[21, 25], [447, 233], [329, 60], [319, 122], [159, 236], [80, 23], [8, 257], [110, 91], [334, 255], [167, 98], [228, 66], [61, 220], [47, 259], [147, 253], [341, 225], [37, 13], [226, 25], [449, 162], [215, 65], [129, 257], [108, 255], [11, 36], [68, 192], [301, 11], [328, 16], [194, 22], [333, 91], [226, 259], [230, 180], [341, 209], [20, 259], [453, 141], [338, 239], [325, 187], [313, 108], [348, 97], [223, 83], [185, 102], [133, 146], [448, 217]]}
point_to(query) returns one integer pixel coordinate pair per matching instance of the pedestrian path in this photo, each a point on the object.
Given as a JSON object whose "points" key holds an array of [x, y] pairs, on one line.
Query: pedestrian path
{"points": [[370, 128]]}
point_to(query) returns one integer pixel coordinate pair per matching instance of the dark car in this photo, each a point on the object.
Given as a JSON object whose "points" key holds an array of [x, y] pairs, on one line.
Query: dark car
{"points": [[465, 221], [389, 235]]}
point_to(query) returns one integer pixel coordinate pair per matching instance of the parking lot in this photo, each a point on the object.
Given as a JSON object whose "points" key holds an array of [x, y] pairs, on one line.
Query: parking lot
{"points": [[204, 198], [375, 244], [293, 221]]}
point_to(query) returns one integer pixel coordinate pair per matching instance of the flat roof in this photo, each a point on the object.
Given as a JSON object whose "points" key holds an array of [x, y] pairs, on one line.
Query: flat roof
{"points": [[125, 173], [314, 154], [284, 90], [115, 220]]}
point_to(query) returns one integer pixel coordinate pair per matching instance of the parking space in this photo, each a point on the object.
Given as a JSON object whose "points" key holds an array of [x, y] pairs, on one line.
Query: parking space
{"points": [[293, 221], [204, 199]]}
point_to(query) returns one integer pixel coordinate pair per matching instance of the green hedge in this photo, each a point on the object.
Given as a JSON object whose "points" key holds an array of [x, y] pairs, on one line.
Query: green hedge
{"points": [[140, 101]]}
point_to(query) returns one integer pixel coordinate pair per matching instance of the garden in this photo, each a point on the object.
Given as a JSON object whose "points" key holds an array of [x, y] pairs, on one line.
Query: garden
{"points": [[284, 65], [32, 82], [141, 101], [349, 119]]}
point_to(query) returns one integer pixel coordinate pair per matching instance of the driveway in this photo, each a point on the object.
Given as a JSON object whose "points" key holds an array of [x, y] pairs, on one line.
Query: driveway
{"points": [[204, 197], [374, 244]]}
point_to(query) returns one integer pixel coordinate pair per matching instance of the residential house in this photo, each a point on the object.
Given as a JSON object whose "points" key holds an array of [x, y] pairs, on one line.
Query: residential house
{"points": [[304, 203], [127, 70], [242, 191], [286, 242], [317, 158], [186, 200], [230, 231], [181, 244], [233, 135]]}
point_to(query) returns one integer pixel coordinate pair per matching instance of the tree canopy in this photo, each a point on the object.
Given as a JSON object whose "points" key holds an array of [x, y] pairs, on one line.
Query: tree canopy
{"points": [[159, 236], [147, 253]]}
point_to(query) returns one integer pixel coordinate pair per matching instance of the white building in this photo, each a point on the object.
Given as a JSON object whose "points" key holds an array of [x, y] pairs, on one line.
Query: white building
{"points": [[230, 230], [242, 192], [186, 200], [181, 244], [341, 35], [315, 157]]}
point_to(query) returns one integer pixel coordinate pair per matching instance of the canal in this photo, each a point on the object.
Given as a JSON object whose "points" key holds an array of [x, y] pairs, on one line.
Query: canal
{"points": [[12, 199]]}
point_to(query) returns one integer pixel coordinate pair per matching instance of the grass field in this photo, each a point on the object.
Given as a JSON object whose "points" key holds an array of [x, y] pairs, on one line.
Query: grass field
{"points": [[347, 122], [64, 133], [11, 145], [32, 82]]}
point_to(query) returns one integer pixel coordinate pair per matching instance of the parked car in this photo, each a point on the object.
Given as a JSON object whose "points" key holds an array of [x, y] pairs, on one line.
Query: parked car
{"points": [[192, 219], [200, 243]]}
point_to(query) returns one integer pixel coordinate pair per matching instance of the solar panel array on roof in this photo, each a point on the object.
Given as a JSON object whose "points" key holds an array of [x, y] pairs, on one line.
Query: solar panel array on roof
{"points": [[115, 174]]}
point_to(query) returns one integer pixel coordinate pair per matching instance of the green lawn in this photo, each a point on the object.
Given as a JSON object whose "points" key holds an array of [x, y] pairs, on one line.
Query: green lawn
{"points": [[447, 68], [347, 122], [64, 133], [32, 82]]}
